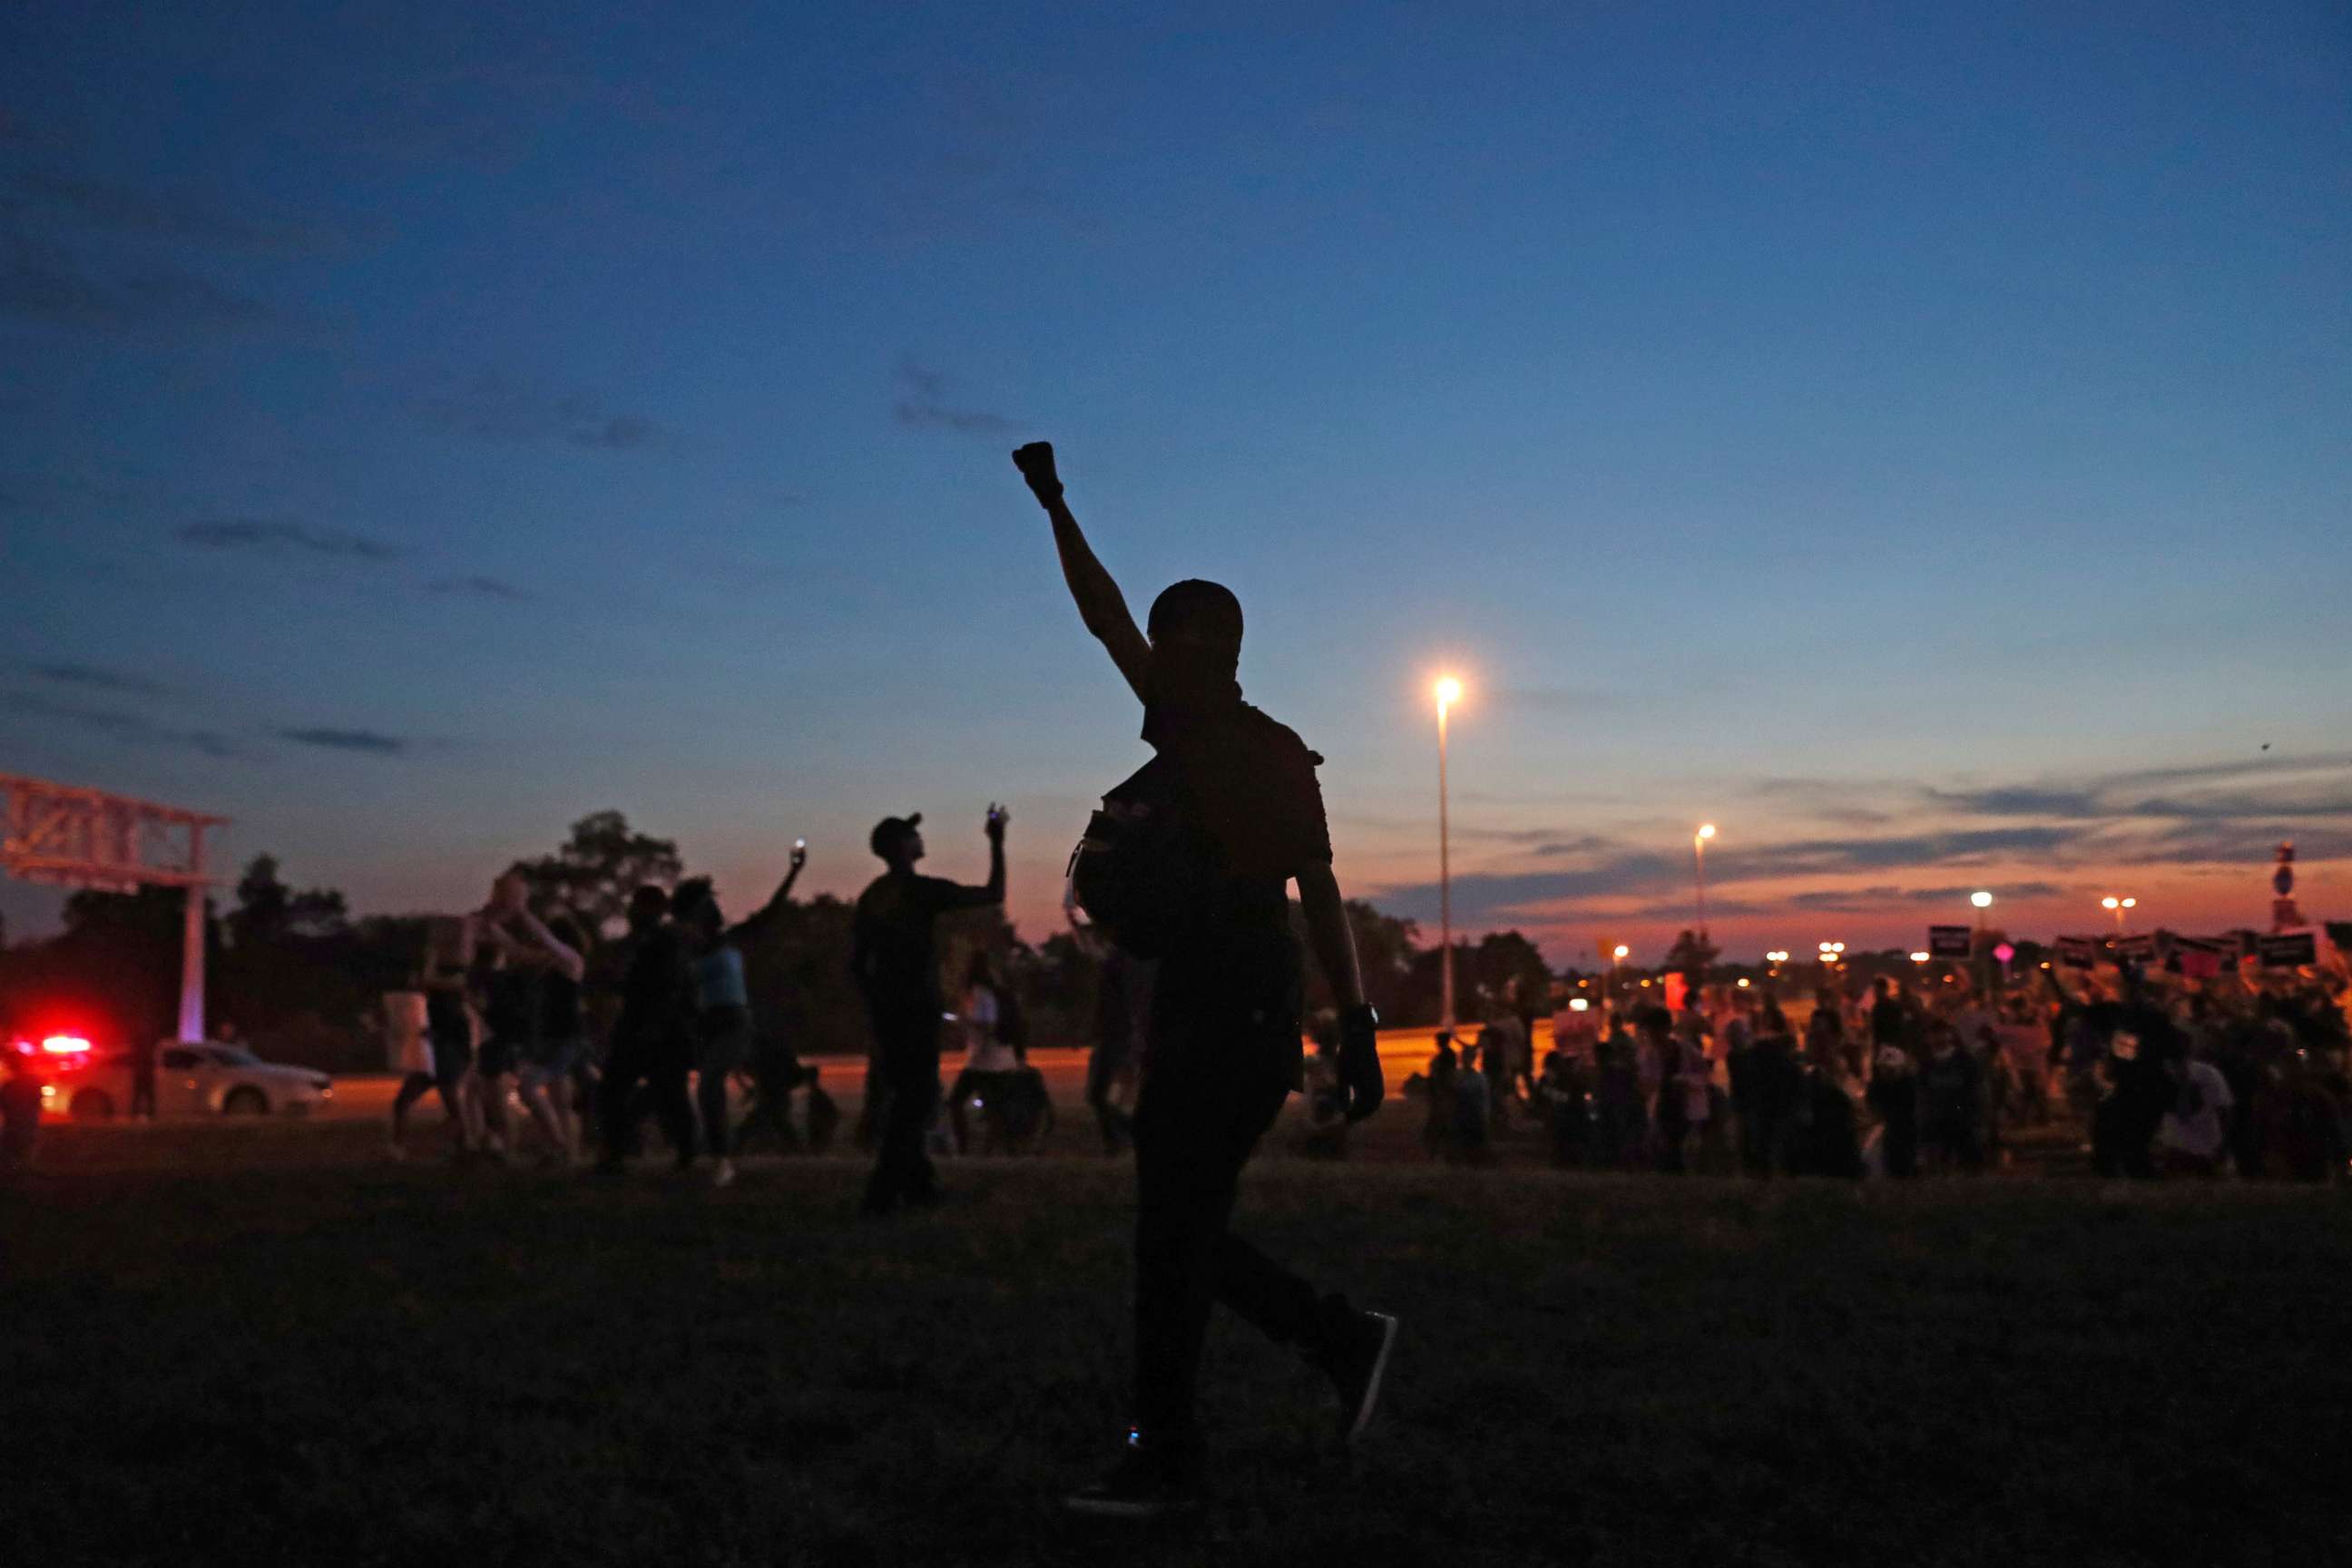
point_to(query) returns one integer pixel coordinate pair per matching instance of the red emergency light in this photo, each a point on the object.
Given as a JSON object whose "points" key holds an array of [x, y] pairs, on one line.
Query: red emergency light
{"points": [[66, 1046]]}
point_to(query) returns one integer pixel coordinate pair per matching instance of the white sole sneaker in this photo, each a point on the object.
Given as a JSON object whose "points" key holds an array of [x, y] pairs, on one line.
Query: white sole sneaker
{"points": [[1371, 1396]]}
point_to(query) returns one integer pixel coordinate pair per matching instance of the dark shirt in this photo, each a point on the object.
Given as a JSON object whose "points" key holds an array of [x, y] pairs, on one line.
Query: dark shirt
{"points": [[657, 990], [558, 1007], [1252, 783], [894, 956], [510, 1004]]}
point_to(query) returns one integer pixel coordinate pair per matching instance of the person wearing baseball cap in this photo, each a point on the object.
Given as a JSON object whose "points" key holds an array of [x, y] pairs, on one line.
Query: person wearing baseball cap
{"points": [[896, 962]]}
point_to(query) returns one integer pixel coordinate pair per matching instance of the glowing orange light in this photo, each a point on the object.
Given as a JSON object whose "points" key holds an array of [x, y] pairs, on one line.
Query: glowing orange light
{"points": [[66, 1046]]}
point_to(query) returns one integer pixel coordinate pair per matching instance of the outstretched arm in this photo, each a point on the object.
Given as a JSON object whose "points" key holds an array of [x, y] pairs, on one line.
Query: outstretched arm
{"points": [[776, 900], [993, 893], [1100, 604], [543, 947]]}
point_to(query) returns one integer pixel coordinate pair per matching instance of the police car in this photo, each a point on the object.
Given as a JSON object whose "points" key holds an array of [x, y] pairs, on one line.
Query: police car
{"points": [[208, 1078]]}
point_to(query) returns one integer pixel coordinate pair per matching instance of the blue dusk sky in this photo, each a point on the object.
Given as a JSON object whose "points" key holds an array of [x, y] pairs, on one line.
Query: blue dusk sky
{"points": [[1913, 436]]}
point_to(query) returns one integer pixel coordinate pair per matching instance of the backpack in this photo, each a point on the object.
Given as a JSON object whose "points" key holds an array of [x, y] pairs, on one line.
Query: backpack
{"points": [[1142, 869]]}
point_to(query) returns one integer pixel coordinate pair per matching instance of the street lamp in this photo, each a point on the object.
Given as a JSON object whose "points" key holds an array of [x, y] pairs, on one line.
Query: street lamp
{"points": [[1449, 692], [2116, 906], [1698, 861], [1617, 956]]}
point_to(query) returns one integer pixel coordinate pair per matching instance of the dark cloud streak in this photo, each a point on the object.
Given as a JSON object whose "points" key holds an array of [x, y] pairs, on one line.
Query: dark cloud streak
{"points": [[921, 404], [479, 586], [123, 726], [365, 741], [282, 534], [98, 678]]}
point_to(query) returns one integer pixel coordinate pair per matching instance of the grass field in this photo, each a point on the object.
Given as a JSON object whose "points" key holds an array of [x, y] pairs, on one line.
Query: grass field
{"points": [[264, 1344]]}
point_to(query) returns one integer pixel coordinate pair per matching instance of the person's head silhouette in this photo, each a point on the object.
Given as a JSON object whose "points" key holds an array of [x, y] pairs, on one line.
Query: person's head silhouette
{"points": [[1195, 628]]}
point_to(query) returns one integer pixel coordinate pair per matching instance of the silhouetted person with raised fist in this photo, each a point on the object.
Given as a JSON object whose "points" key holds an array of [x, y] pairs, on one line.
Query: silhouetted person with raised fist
{"points": [[1235, 815], [897, 966]]}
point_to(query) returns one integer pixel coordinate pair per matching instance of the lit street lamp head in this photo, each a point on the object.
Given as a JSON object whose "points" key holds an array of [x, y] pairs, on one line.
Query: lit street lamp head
{"points": [[1622, 951], [1449, 691], [1981, 900], [1706, 831]]}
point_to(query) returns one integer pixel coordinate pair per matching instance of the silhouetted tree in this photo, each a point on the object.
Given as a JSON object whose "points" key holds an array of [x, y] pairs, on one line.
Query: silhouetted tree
{"points": [[599, 865], [268, 910]]}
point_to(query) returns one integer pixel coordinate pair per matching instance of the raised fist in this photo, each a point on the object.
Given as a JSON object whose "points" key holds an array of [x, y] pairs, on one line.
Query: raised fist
{"points": [[1035, 462]]}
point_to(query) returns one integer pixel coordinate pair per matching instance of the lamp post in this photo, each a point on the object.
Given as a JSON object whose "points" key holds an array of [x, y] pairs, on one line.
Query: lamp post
{"points": [[1448, 692], [2116, 906], [1698, 863], [1983, 901], [1616, 956]]}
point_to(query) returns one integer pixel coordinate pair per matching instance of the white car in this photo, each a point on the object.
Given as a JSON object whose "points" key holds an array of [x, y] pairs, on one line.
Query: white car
{"points": [[206, 1080]]}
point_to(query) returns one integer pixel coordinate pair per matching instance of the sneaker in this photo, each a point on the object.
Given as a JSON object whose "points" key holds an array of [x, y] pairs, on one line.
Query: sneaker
{"points": [[723, 1174], [1148, 1482], [1357, 1361]]}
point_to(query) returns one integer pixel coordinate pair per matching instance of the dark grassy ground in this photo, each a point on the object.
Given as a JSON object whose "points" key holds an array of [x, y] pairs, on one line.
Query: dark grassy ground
{"points": [[264, 1344]]}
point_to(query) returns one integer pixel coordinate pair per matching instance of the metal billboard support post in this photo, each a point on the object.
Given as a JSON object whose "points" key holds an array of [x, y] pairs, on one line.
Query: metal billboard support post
{"points": [[76, 838]]}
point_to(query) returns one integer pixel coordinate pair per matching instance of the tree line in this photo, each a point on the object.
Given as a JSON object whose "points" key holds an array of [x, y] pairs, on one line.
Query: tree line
{"points": [[293, 972]]}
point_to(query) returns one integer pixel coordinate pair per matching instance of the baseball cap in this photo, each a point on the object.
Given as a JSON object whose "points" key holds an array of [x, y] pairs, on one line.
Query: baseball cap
{"points": [[889, 830]]}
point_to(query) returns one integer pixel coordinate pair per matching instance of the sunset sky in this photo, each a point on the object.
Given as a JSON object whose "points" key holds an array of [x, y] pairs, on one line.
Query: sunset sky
{"points": [[1912, 438]]}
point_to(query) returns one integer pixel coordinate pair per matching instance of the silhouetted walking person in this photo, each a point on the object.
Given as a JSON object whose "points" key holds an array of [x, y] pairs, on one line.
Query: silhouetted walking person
{"points": [[653, 1039], [1209, 834], [897, 967]]}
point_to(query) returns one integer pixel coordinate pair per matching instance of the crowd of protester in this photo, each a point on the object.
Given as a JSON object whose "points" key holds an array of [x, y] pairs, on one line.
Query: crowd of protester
{"points": [[599, 1041], [2144, 1075]]}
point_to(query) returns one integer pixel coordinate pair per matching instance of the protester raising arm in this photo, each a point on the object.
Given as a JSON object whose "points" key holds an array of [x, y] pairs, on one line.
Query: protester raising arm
{"points": [[543, 945], [776, 900], [993, 893], [1100, 604]]}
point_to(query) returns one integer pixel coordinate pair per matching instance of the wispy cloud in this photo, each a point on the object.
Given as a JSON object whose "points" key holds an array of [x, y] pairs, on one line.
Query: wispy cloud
{"points": [[283, 535], [159, 213], [96, 677], [492, 407], [332, 740], [42, 283], [921, 403], [478, 585], [1847, 861], [122, 725]]}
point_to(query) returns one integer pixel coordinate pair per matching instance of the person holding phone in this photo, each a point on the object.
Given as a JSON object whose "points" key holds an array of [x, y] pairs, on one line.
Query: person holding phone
{"points": [[895, 964], [723, 1000], [1223, 1050]]}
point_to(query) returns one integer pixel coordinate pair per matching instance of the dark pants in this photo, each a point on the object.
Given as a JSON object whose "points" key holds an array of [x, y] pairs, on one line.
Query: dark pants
{"points": [[1104, 1064], [907, 1062], [1899, 1141], [776, 1073], [1194, 1128], [415, 1087], [660, 1064], [726, 1046]]}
